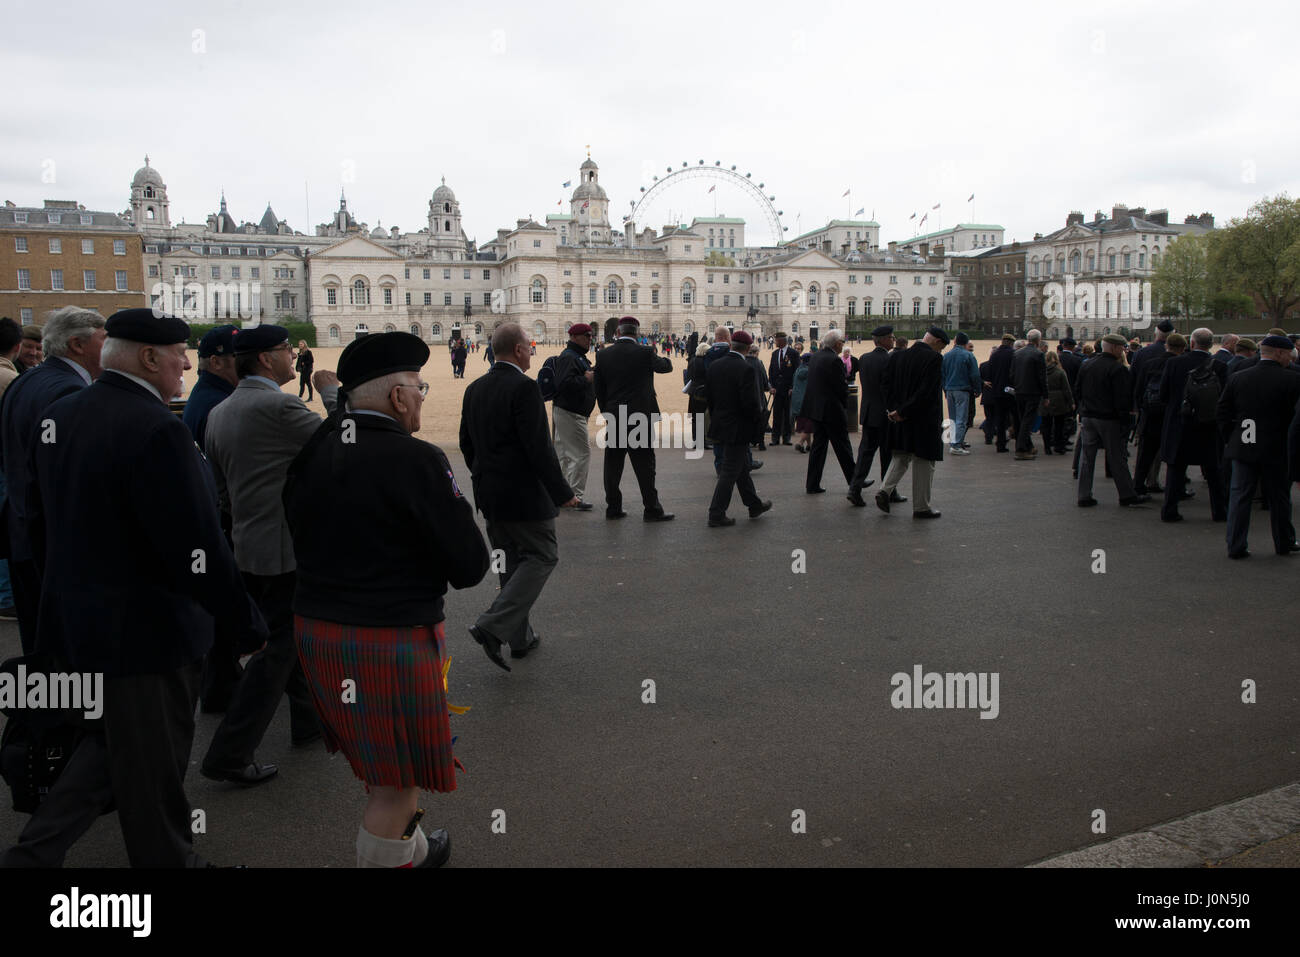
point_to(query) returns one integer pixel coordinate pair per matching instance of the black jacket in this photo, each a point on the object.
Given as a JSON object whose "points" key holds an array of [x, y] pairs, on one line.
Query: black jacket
{"points": [[573, 393], [1153, 354], [507, 446], [1183, 440], [781, 369], [1071, 362], [1266, 395], [733, 400], [828, 389], [124, 526], [379, 526], [625, 373], [914, 389], [871, 395], [21, 412], [303, 363], [1105, 390], [1000, 370], [1029, 372]]}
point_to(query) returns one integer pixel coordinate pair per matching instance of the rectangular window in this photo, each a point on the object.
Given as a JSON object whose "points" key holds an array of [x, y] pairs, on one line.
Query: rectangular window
{"points": [[388, 295], [710, 279], [916, 307], [466, 274], [916, 280], [120, 276], [408, 299], [934, 280], [726, 277], [567, 272], [88, 279], [20, 244], [151, 249], [85, 219], [468, 298], [487, 274], [406, 273], [234, 272], [869, 279], [24, 279], [153, 272], [893, 280], [426, 274], [446, 299], [710, 299], [537, 244], [634, 294], [931, 307], [56, 245], [255, 272], [446, 274], [1142, 260], [54, 218], [331, 296], [591, 296], [1112, 262], [487, 298], [25, 315], [687, 247], [56, 279], [119, 247], [568, 296], [428, 299], [654, 296], [726, 300], [216, 272], [1127, 259], [742, 301], [20, 217], [853, 277]]}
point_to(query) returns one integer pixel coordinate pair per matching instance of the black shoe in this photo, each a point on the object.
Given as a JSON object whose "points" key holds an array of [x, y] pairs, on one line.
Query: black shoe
{"points": [[762, 446], [523, 652], [1156, 489], [583, 507], [8, 613], [896, 498], [1136, 500], [491, 646], [246, 776], [755, 465], [1169, 518], [928, 513], [814, 491], [882, 500], [615, 513], [1088, 502], [723, 522], [966, 446], [1003, 450], [659, 516], [855, 496], [439, 849], [1235, 555], [759, 509]]}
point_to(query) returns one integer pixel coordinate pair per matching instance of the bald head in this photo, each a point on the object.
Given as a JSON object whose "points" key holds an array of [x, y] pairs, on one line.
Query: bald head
{"points": [[722, 334]]}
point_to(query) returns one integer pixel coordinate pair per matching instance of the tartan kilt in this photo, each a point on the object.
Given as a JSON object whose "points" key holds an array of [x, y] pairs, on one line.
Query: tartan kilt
{"points": [[396, 733]]}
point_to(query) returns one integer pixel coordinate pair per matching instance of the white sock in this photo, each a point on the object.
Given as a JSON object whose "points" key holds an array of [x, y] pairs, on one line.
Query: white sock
{"points": [[382, 852], [421, 847]]}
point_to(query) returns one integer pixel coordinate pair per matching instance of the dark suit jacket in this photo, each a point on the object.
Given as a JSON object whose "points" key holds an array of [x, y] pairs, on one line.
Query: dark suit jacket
{"points": [[1029, 372], [507, 446], [914, 383], [1223, 355], [24, 405], [1182, 440], [1071, 363], [119, 505], [827, 397], [1000, 370], [734, 411], [781, 369], [211, 391], [1267, 395], [625, 374], [871, 371], [1138, 371]]}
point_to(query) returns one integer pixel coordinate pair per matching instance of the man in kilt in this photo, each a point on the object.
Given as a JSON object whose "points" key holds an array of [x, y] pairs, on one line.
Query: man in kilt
{"points": [[379, 530]]}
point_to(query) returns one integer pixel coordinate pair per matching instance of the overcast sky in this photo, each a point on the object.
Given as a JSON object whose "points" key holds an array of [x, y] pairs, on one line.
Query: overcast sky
{"points": [[1035, 108]]}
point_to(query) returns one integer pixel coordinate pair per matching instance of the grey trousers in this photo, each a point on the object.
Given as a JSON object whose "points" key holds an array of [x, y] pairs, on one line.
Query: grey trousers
{"points": [[572, 447], [1107, 434], [531, 555], [922, 478]]}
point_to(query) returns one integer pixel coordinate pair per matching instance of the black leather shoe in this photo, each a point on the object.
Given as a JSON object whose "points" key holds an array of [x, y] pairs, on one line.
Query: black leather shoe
{"points": [[882, 500], [1235, 555], [1087, 502], [1169, 518], [723, 522], [439, 849], [659, 516], [814, 491], [759, 509], [246, 776], [856, 498], [583, 507], [523, 652], [896, 498], [755, 465], [928, 513], [491, 646], [1135, 500], [619, 513]]}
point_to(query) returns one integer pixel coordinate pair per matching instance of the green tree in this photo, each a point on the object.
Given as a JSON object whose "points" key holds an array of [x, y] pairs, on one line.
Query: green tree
{"points": [[1181, 281], [1230, 306], [1259, 255]]}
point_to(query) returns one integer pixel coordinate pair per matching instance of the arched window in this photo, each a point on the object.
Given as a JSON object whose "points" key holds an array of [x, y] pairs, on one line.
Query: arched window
{"points": [[360, 294], [539, 330], [446, 207], [334, 334], [478, 328], [435, 332], [148, 213], [794, 327], [688, 327], [688, 292], [812, 295], [389, 327], [539, 291], [446, 226], [415, 329], [148, 192], [1091, 261], [1074, 262], [613, 294], [361, 329]]}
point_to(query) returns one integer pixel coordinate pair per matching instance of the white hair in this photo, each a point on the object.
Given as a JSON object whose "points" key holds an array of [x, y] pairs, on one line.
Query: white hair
{"points": [[1033, 335], [120, 354], [702, 349], [70, 322], [832, 339], [374, 392]]}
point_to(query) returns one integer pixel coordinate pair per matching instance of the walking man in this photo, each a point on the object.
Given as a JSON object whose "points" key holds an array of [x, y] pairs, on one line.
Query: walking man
{"points": [[735, 417], [913, 392], [1105, 399], [575, 397]]}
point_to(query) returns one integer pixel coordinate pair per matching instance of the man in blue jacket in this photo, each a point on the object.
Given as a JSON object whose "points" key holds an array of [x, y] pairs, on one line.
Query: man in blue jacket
{"points": [[961, 380]]}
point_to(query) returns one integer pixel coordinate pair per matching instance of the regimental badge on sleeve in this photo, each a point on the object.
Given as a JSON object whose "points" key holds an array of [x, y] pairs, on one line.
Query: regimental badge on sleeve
{"points": [[454, 487]]}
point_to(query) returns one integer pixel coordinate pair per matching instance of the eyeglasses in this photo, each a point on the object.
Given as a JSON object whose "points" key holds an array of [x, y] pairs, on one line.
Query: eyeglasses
{"points": [[422, 388]]}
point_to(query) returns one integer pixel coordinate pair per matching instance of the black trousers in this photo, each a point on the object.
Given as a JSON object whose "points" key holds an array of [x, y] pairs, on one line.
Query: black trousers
{"points": [[1026, 411], [643, 465], [781, 420], [1149, 430], [272, 672], [734, 474], [26, 583], [835, 433], [1246, 477], [1176, 481], [1053, 432], [1005, 417], [875, 438], [304, 382]]}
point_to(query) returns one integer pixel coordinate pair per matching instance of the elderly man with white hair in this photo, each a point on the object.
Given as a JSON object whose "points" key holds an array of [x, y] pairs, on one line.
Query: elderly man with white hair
{"points": [[826, 404]]}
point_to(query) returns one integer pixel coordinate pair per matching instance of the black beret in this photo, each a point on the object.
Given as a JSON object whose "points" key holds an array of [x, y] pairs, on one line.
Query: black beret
{"points": [[881, 331], [259, 339], [1068, 342], [218, 342], [961, 339], [938, 334], [1164, 325], [1276, 342], [143, 325], [379, 354]]}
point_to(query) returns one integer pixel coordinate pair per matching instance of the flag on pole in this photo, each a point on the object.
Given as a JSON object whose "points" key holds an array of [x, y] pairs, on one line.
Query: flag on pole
{"points": [[972, 196], [846, 192], [935, 206], [913, 216], [924, 218], [586, 204], [567, 184], [861, 211], [712, 188]]}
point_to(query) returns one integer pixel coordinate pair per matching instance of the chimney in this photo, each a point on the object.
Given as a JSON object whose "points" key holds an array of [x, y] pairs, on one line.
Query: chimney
{"points": [[1118, 211], [629, 233], [893, 247], [1098, 216], [1037, 236], [1206, 220], [925, 250], [938, 251], [520, 223], [1159, 216], [1075, 218], [1139, 211]]}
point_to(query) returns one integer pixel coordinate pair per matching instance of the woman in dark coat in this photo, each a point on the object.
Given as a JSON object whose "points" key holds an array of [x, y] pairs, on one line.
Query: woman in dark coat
{"points": [[803, 426], [1057, 406]]}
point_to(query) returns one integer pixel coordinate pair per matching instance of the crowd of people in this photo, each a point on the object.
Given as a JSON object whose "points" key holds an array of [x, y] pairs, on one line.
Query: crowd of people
{"points": [[215, 550]]}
